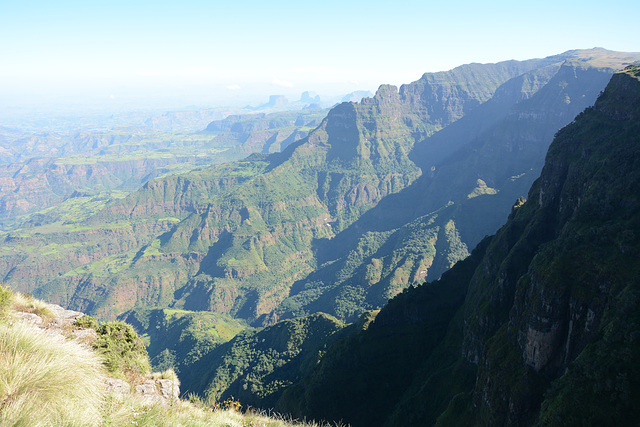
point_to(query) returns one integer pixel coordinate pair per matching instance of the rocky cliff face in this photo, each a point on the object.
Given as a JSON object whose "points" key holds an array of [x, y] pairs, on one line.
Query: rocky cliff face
{"points": [[538, 326], [474, 168], [568, 267]]}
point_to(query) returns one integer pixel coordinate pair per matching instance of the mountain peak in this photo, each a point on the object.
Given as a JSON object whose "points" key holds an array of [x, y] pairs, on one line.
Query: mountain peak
{"points": [[386, 92], [617, 100]]}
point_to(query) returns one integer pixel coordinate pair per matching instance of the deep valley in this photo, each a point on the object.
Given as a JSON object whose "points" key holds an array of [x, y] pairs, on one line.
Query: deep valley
{"points": [[461, 250]]}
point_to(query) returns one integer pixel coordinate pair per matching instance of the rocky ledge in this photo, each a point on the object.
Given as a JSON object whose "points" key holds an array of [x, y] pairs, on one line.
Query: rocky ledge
{"points": [[56, 320]]}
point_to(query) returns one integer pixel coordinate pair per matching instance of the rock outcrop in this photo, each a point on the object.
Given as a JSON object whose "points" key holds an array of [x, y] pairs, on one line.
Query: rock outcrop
{"points": [[162, 390], [57, 320]]}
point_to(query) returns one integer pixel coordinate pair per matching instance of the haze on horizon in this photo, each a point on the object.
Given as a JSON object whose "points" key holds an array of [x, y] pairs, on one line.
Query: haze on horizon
{"points": [[163, 54]]}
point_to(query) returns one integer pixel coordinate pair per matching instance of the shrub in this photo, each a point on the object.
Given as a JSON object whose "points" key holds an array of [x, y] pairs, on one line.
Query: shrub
{"points": [[124, 353], [86, 322], [47, 380]]}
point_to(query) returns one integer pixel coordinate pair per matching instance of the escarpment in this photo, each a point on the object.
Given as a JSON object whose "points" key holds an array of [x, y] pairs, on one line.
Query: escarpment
{"points": [[534, 322]]}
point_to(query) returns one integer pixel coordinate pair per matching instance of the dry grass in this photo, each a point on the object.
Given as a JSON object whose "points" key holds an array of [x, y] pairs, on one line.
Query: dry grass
{"points": [[28, 304], [131, 411], [169, 374], [46, 380]]}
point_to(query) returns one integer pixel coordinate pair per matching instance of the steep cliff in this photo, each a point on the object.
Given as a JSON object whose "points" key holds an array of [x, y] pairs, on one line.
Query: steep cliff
{"points": [[569, 274], [474, 169], [539, 326]]}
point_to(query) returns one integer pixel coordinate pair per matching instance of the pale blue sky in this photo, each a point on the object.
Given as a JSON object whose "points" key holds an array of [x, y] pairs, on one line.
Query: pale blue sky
{"points": [[212, 52]]}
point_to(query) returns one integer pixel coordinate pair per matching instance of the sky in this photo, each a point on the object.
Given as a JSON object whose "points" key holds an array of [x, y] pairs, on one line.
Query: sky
{"points": [[58, 53]]}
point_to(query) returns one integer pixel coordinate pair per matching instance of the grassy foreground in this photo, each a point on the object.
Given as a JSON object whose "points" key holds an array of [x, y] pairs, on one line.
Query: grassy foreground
{"points": [[48, 379]]}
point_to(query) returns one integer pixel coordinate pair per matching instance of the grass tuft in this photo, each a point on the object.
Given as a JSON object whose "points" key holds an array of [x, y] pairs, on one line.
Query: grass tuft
{"points": [[46, 380], [169, 374], [5, 300], [28, 304]]}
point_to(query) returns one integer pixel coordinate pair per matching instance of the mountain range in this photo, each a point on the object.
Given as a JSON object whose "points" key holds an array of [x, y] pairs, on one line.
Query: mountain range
{"points": [[41, 170], [307, 239], [381, 195], [538, 326]]}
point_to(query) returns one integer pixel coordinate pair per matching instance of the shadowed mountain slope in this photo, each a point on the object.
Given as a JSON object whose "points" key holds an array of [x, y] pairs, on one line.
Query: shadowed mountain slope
{"points": [[485, 161], [538, 326]]}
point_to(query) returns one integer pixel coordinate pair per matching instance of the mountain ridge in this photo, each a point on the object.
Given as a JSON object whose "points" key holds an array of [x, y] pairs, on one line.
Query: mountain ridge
{"points": [[520, 138], [236, 237], [539, 316]]}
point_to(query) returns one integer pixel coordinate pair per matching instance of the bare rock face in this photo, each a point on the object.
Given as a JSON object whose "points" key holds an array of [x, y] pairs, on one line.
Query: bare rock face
{"points": [[117, 387], [158, 391], [541, 346], [53, 320], [64, 317], [148, 391], [169, 390], [59, 320], [31, 318]]}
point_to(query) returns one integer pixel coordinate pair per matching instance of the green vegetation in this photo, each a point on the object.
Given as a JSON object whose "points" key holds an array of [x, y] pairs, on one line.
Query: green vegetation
{"points": [[75, 209], [538, 326], [123, 351], [466, 208], [481, 189], [371, 201], [369, 204], [266, 133], [92, 164], [47, 379], [179, 339], [380, 365], [108, 265], [602, 369], [86, 322], [257, 366]]}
